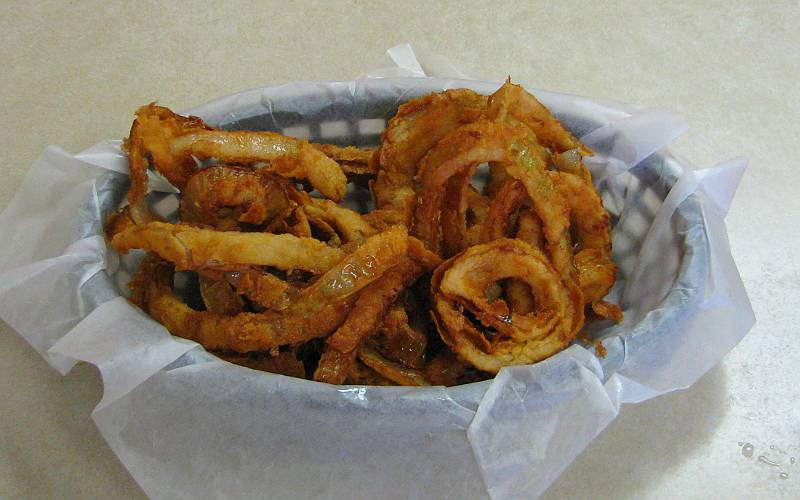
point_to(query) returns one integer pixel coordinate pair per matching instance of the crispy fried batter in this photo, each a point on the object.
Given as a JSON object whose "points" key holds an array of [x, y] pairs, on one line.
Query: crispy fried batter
{"points": [[316, 312], [458, 285], [190, 247], [172, 142], [512, 100], [420, 123], [280, 269], [227, 197], [220, 297], [462, 151]]}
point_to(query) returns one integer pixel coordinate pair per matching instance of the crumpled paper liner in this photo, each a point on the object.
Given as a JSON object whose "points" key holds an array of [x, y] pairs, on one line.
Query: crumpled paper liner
{"points": [[186, 424]]}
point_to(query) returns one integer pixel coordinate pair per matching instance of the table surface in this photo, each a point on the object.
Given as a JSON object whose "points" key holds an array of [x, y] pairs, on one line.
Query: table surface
{"points": [[74, 72]]}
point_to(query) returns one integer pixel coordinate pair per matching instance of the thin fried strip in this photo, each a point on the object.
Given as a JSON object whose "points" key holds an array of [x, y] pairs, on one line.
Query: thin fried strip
{"points": [[373, 305], [391, 370], [352, 159], [394, 192], [513, 100], [420, 123], [191, 247], [367, 315], [172, 142], [317, 311], [351, 225]]}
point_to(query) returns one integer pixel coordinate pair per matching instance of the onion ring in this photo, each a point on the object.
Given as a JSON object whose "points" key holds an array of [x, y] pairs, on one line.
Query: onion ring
{"points": [[351, 225], [420, 123], [483, 141], [458, 285], [512, 100], [357, 164], [192, 248], [394, 192], [317, 311], [591, 226], [172, 142], [502, 212]]}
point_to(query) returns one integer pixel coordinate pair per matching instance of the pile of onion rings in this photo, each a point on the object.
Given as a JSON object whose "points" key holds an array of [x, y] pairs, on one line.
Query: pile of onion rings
{"points": [[444, 282]]}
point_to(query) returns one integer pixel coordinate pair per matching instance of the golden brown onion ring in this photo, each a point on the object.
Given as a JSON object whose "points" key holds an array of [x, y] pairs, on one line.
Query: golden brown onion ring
{"points": [[350, 225], [463, 211], [146, 143], [483, 141], [394, 193], [359, 165], [502, 213], [477, 208], [317, 311], [513, 101], [190, 247], [420, 123], [172, 142], [459, 284], [591, 227]]}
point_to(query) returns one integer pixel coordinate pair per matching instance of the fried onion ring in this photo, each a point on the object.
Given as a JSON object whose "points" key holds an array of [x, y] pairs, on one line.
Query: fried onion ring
{"points": [[420, 123], [483, 141], [458, 285], [172, 142], [317, 311], [500, 218], [514, 101], [394, 193], [350, 225], [357, 164], [591, 226], [192, 248]]}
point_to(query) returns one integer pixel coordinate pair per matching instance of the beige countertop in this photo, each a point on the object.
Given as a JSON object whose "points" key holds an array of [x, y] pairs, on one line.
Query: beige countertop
{"points": [[74, 72]]}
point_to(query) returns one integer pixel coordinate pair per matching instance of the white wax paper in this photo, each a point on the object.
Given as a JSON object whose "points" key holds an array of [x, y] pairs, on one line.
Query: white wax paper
{"points": [[186, 424]]}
